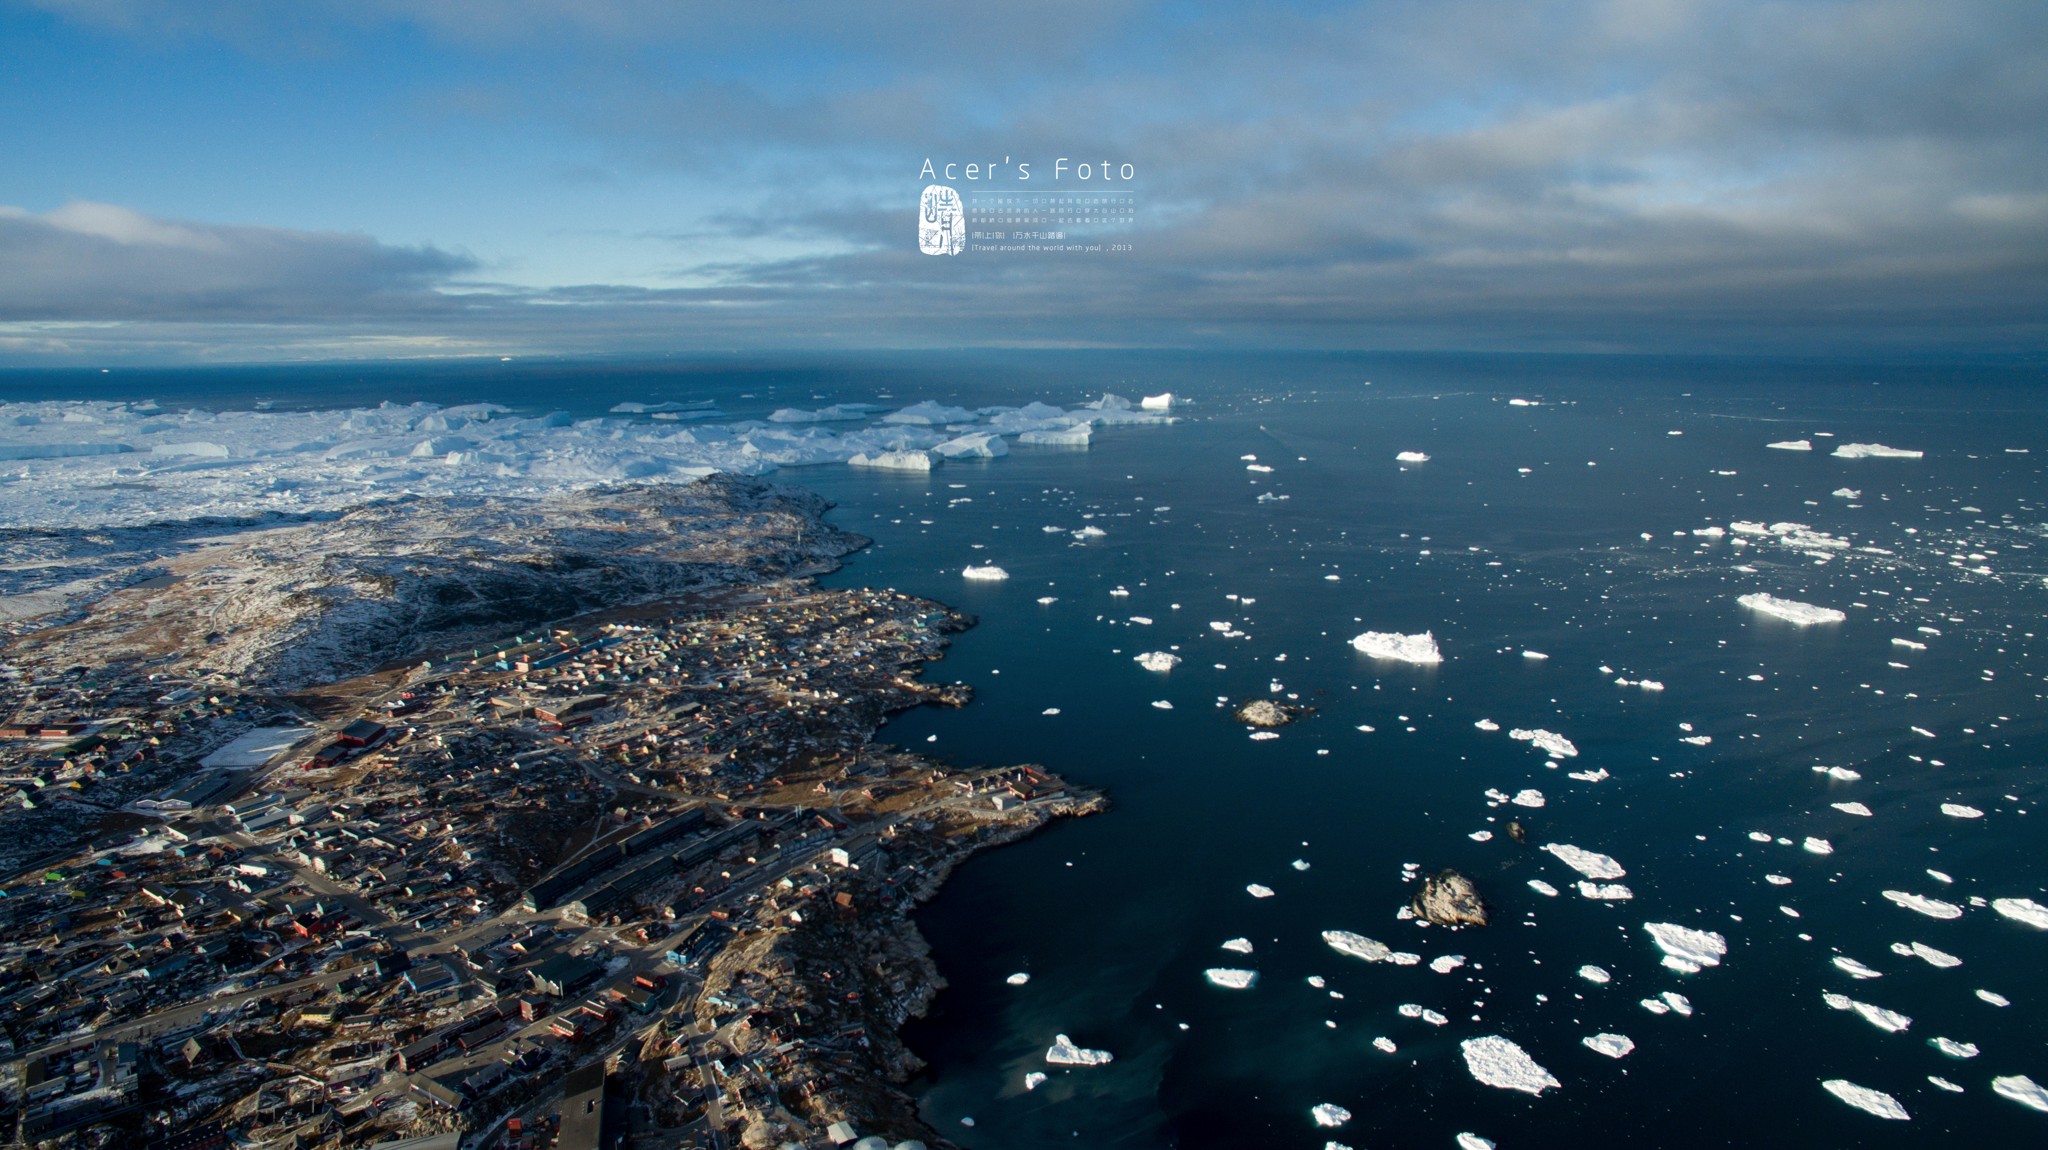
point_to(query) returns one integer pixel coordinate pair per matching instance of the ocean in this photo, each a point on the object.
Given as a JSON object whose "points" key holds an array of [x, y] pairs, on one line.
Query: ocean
{"points": [[1771, 788]]}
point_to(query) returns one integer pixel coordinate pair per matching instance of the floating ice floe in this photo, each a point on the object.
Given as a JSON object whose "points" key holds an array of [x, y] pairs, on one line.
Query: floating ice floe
{"points": [[986, 574], [1592, 776], [1678, 1003], [1299, 864], [1162, 704], [1239, 946], [1656, 1006], [1954, 1049], [1874, 451], [1878, 1016], [1258, 467], [1944, 1084], [1357, 945], [1263, 736], [1050, 711], [1496, 1061], [1481, 836], [1047, 600], [1790, 610], [837, 413], [1549, 742], [1466, 1139], [1855, 969], [1592, 864], [1792, 445], [1542, 888], [1330, 1114], [1818, 846], [1018, 979], [929, 413], [1612, 1045], [1697, 740], [1063, 1052], [1034, 1080], [1158, 660], [1231, 979], [1993, 997], [1931, 907], [1605, 891], [1446, 963], [1537, 655], [1487, 725], [1258, 891], [1777, 880], [1857, 809], [1412, 457], [1079, 435], [1687, 950], [1936, 958], [1594, 974], [1160, 402], [1531, 798], [1384, 1045], [2024, 910], [978, 445], [1846, 493], [1864, 1098], [2021, 1089], [1419, 649], [1844, 774]]}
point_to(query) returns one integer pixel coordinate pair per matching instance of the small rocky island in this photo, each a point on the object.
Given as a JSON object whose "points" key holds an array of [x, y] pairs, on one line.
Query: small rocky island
{"points": [[1448, 898], [1267, 714]]}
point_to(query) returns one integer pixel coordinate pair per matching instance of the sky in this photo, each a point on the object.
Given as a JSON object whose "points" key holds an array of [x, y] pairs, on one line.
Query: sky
{"points": [[195, 181]]}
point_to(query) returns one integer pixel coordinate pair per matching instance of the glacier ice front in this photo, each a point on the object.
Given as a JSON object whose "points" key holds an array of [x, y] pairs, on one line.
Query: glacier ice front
{"points": [[1393, 645]]}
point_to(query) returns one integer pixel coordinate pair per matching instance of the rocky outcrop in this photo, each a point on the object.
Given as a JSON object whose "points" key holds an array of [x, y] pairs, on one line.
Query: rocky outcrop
{"points": [[1448, 898], [1267, 713]]}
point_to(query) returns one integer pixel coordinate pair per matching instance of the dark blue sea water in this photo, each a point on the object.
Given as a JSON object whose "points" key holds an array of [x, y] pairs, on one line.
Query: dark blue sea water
{"points": [[1563, 528]]}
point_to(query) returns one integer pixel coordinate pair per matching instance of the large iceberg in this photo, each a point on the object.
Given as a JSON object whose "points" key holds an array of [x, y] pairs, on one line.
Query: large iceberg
{"points": [[1230, 978], [894, 460], [1550, 742], [1687, 950], [1874, 451], [1931, 907], [1159, 402], [1592, 864], [1790, 610], [929, 414], [1612, 1045], [1496, 1061], [1403, 648], [1077, 435], [1063, 1052], [1865, 1099], [1357, 945], [974, 445], [2024, 910], [987, 574]]}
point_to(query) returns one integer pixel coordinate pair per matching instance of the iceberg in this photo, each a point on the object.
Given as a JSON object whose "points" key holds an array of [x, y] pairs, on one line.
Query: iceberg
{"points": [[1531, 798], [1589, 863], [976, 445], [1496, 1061], [893, 460], [1931, 907], [1954, 1049], [1874, 451], [1159, 402], [1594, 974], [1412, 457], [1238, 946], [1687, 950], [1993, 997], [1419, 649], [1063, 1052], [1077, 435], [1855, 969], [1612, 1045], [1231, 979], [1792, 445], [929, 414], [1542, 888], [1330, 1114], [1257, 890], [1857, 809], [2021, 1089], [1939, 959], [1959, 811], [1792, 611], [1886, 1020], [1867, 1100], [837, 413], [1466, 1139], [1551, 743], [1604, 891], [1158, 660], [1846, 493], [1034, 1080], [987, 574], [1357, 945], [1018, 979], [2024, 910]]}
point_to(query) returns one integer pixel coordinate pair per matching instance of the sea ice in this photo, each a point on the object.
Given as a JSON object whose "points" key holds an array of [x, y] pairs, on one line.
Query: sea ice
{"points": [[1855, 969], [1844, 774], [1874, 451], [1818, 846], [1239, 945], [2023, 1090], [893, 460], [1384, 1045], [1612, 1045], [1063, 1052], [1160, 402], [1158, 660], [1792, 445], [1231, 979], [1299, 864], [1076, 436], [2024, 910], [1959, 811], [1542, 888], [1678, 1003], [1018, 979], [1487, 725], [1863, 1097], [977, 445], [1944, 1084], [1466, 1139], [1446, 963], [1549, 742], [1954, 1049], [1777, 880], [1162, 704], [1330, 1114], [1792, 611], [1356, 945], [928, 414], [1595, 974], [1404, 648], [1877, 1016], [1412, 457], [1852, 809], [1993, 997], [1528, 798], [1685, 949], [1605, 891], [1847, 493], [1258, 891], [987, 574], [1655, 1006], [1537, 655], [1589, 863], [1496, 1061], [1034, 1080], [1931, 907]]}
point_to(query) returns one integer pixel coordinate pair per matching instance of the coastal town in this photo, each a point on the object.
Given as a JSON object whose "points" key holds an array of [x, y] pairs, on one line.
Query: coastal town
{"points": [[636, 877]]}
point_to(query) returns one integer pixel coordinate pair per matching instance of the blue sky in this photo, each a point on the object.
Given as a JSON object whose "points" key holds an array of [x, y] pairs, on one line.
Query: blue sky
{"points": [[215, 180]]}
